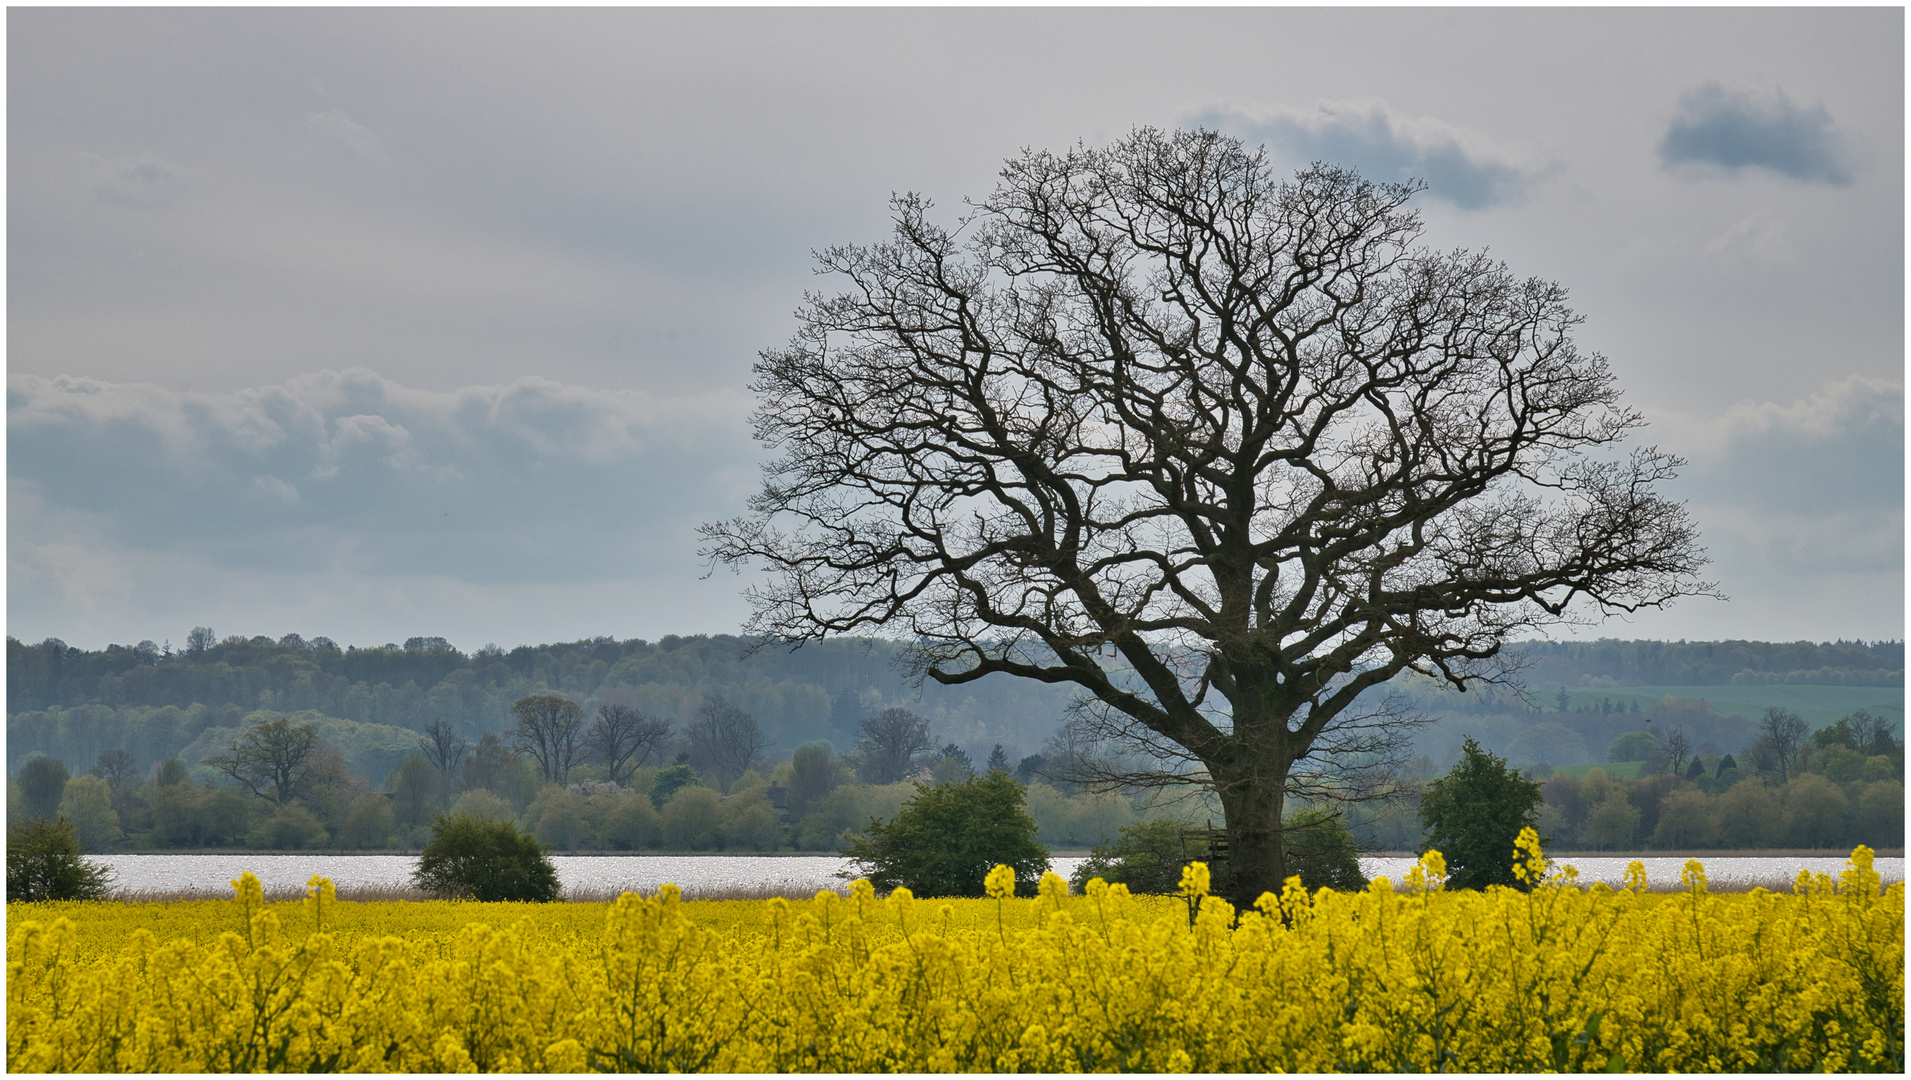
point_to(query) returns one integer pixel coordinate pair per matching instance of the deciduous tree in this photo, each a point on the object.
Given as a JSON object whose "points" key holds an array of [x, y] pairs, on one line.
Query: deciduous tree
{"points": [[445, 749], [272, 759], [550, 730], [1222, 451], [623, 739], [724, 739], [1781, 734], [893, 746]]}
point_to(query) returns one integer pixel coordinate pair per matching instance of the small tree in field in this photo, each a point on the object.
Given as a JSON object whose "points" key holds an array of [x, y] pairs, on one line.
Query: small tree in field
{"points": [[485, 859], [1473, 814], [945, 840]]}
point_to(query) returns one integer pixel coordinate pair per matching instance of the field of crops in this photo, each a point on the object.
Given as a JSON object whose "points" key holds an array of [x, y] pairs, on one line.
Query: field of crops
{"points": [[1403, 979]]}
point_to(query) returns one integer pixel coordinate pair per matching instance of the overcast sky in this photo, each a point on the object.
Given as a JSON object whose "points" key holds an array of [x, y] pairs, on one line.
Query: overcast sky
{"points": [[375, 324]]}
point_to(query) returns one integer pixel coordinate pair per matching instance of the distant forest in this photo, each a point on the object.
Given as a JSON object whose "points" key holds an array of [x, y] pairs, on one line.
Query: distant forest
{"points": [[156, 702], [1664, 744]]}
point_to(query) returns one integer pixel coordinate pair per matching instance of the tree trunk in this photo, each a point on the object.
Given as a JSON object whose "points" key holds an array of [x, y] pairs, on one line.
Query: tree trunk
{"points": [[1256, 859]]}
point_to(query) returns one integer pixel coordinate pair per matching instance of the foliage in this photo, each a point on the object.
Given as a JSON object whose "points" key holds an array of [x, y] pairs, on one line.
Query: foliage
{"points": [[368, 823], [669, 781], [44, 863], [1632, 746], [42, 782], [812, 777], [87, 803], [1321, 852], [479, 803], [1558, 979], [944, 840], [1146, 857], [485, 859], [417, 790], [1472, 815]]}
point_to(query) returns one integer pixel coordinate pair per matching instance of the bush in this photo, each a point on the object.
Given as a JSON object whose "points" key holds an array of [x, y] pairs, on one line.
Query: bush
{"points": [[291, 828], [690, 819], [1146, 857], [368, 823], [1323, 854], [944, 841], [484, 859], [630, 822], [44, 863]]}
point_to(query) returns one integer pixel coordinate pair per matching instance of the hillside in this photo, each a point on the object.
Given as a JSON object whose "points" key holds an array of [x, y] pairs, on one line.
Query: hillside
{"points": [[157, 703]]}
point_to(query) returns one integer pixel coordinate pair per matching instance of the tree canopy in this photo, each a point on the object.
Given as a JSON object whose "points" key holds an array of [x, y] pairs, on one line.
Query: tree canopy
{"points": [[1221, 450]]}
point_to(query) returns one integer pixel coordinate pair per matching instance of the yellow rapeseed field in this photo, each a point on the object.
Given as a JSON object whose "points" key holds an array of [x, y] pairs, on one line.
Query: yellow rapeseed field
{"points": [[1406, 979]]}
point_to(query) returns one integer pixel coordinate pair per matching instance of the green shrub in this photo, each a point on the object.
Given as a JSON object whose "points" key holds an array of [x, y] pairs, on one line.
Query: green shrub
{"points": [[484, 859], [44, 863], [944, 841], [1147, 857], [1323, 853]]}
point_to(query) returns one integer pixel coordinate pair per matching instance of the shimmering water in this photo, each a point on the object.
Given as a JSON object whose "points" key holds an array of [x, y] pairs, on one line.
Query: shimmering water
{"points": [[802, 873]]}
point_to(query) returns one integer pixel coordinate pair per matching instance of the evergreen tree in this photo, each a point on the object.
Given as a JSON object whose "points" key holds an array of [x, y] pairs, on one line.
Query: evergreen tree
{"points": [[1472, 815]]}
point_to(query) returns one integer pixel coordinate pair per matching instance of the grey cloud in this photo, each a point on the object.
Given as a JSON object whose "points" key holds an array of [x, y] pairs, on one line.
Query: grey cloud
{"points": [[1383, 145], [1735, 130], [534, 481], [1816, 486]]}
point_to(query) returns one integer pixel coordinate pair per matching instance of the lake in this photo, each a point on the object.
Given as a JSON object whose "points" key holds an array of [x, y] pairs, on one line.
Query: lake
{"points": [[803, 873]]}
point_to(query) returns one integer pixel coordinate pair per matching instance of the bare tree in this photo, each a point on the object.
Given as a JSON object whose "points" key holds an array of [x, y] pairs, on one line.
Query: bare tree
{"points": [[724, 739], [1871, 734], [623, 738], [445, 750], [1782, 733], [1220, 450], [273, 759], [550, 730], [1677, 747], [893, 746]]}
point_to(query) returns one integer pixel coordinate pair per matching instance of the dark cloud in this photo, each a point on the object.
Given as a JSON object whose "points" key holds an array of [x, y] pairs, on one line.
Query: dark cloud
{"points": [[1737, 130], [1383, 146]]}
